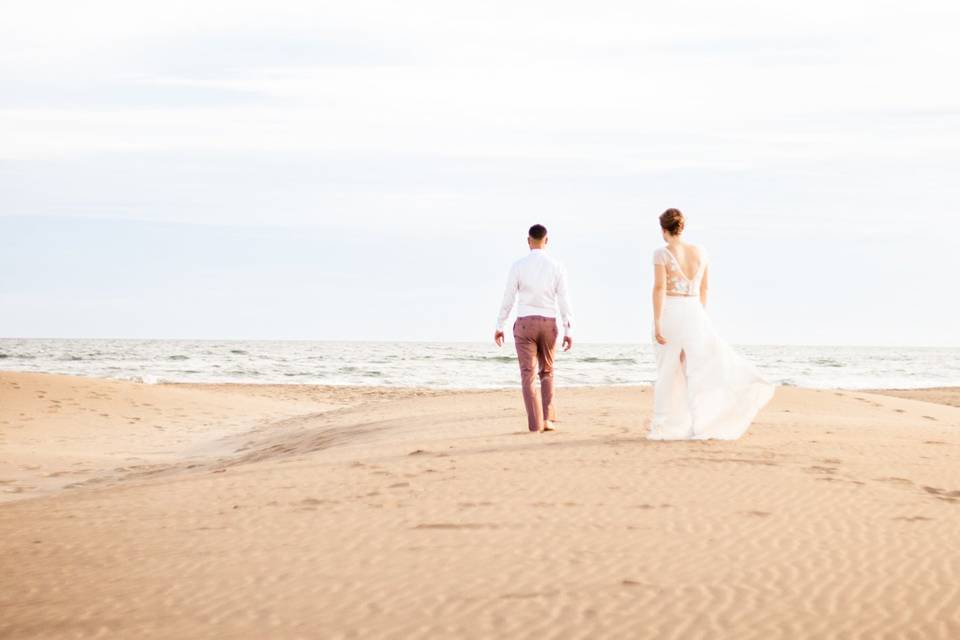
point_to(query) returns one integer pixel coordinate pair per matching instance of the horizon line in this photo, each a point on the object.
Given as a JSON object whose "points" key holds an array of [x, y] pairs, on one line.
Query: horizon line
{"points": [[474, 342]]}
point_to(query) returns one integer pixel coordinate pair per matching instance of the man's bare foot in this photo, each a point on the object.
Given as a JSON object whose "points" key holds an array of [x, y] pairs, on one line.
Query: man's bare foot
{"points": [[549, 426]]}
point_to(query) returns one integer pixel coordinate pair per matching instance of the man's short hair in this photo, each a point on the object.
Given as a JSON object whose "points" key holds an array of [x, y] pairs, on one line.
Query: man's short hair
{"points": [[538, 232]]}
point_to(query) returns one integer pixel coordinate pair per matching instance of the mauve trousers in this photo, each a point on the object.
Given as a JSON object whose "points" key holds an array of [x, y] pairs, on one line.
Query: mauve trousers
{"points": [[536, 339]]}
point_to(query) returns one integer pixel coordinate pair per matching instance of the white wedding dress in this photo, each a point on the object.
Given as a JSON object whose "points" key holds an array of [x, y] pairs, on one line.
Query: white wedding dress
{"points": [[712, 392]]}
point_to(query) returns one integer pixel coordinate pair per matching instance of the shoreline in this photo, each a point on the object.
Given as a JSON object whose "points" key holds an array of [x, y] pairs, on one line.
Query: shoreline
{"points": [[250, 510], [920, 391]]}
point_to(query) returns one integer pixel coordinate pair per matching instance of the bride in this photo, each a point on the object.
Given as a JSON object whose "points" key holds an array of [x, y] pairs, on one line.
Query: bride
{"points": [[703, 389]]}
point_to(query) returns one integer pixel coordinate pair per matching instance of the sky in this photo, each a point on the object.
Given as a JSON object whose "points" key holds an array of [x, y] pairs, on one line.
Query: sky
{"points": [[368, 170]]}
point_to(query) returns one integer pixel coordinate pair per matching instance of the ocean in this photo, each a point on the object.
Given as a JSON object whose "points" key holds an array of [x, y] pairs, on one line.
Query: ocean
{"points": [[455, 365]]}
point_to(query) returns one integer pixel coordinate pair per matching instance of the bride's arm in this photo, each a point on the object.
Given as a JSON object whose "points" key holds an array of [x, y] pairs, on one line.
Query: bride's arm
{"points": [[659, 293], [704, 286]]}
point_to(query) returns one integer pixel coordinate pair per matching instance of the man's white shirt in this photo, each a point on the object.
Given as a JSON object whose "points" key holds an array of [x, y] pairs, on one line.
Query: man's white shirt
{"points": [[540, 283]]}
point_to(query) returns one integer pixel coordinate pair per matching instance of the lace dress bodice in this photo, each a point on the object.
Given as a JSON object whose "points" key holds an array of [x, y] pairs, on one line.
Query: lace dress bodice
{"points": [[677, 281]]}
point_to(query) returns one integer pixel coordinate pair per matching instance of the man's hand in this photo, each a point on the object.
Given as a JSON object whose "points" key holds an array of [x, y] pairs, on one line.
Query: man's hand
{"points": [[567, 343], [498, 338]]}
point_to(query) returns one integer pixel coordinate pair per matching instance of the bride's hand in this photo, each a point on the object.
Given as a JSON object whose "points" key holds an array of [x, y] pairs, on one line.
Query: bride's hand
{"points": [[659, 336]]}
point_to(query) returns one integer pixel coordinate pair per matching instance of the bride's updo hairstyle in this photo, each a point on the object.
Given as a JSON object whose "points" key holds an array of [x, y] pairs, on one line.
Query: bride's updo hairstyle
{"points": [[671, 221]]}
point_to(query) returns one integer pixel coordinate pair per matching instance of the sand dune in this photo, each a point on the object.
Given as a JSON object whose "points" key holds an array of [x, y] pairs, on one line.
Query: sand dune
{"points": [[273, 511]]}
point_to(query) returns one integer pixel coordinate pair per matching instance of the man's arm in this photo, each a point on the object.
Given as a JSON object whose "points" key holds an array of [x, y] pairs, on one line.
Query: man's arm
{"points": [[509, 297], [566, 310]]}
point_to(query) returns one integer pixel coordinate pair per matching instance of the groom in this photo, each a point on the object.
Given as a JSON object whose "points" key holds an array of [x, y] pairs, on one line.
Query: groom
{"points": [[541, 283]]}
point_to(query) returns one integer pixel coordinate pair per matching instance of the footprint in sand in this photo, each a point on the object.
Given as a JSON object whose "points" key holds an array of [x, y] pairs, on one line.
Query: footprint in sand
{"points": [[834, 479], [820, 469], [943, 494], [635, 583], [317, 501], [896, 480]]}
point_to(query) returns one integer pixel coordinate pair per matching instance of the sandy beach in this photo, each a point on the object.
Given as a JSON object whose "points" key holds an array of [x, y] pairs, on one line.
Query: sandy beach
{"points": [[284, 511]]}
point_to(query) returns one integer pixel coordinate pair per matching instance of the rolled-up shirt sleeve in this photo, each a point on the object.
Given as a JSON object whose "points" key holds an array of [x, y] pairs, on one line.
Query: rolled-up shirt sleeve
{"points": [[509, 297], [563, 301]]}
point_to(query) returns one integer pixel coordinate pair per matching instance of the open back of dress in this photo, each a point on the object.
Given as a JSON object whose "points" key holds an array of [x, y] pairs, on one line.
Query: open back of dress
{"points": [[677, 281]]}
